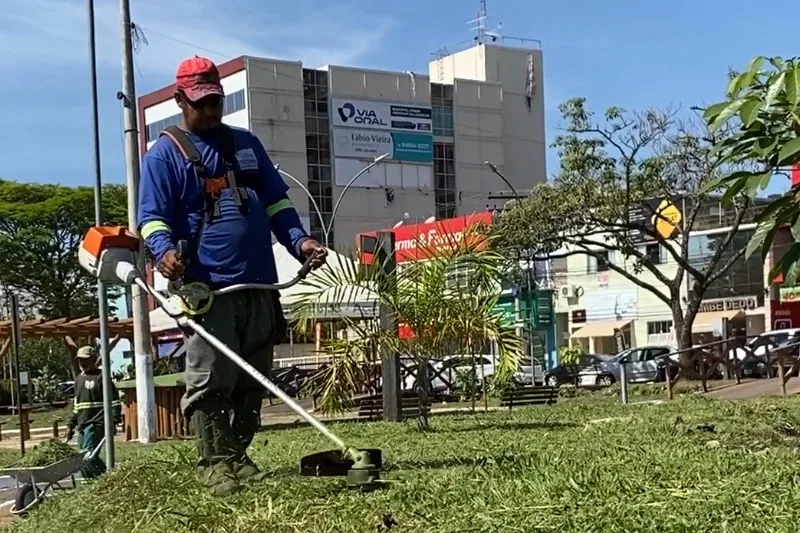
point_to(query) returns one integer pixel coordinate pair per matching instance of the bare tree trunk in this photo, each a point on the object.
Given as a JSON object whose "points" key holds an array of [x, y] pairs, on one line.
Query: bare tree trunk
{"points": [[683, 322]]}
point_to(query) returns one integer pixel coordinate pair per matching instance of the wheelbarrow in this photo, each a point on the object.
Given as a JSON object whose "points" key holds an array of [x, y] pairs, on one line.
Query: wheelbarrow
{"points": [[35, 483]]}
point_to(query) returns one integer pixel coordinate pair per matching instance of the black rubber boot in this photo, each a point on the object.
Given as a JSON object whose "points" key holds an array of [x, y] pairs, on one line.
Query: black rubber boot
{"points": [[246, 422], [216, 448]]}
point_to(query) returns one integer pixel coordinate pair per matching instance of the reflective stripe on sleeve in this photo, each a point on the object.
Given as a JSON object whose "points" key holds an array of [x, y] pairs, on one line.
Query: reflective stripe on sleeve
{"points": [[154, 226], [275, 208]]}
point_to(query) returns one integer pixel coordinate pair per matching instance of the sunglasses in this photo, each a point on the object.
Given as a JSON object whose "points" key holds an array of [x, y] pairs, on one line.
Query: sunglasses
{"points": [[212, 100]]}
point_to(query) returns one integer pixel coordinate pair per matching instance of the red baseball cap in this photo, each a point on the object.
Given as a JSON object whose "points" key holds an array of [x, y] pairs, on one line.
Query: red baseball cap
{"points": [[198, 77]]}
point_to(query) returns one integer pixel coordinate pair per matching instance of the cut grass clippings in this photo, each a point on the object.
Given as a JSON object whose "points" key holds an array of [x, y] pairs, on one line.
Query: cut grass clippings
{"points": [[582, 466], [47, 453]]}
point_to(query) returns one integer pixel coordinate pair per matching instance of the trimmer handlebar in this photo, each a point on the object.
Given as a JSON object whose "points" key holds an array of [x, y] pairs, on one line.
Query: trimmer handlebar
{"points": [[183, 251]]}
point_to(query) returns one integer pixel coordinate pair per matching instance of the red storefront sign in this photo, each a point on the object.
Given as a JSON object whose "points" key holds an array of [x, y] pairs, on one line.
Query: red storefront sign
{"points": [[785, 315], [416, 241]]}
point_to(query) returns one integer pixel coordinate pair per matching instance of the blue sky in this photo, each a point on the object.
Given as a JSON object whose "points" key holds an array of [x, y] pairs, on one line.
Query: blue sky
{"points": [[629, 53]]}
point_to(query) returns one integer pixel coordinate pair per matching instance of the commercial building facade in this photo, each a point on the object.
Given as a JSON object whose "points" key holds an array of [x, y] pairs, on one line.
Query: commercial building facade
{"points": [[601, 309], [323, 126]]}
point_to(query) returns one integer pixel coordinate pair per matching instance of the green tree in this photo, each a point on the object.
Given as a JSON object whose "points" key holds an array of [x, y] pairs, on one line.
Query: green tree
{"points": [[762, 112], [41, 355], [607, 200], [41, 227], [447, 301]]}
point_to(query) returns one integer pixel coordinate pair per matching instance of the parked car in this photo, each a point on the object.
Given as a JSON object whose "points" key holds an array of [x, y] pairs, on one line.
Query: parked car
{"points": [[754, 353], [568, 373], [644, 363], [448, 368]]}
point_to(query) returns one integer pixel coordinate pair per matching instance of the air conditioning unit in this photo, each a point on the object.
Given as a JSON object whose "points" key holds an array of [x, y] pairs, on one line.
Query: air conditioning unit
{"points": [[566, 292]]}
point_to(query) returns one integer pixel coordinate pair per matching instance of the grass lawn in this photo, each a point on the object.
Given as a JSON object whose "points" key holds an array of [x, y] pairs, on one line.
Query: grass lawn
{"points": [[586, 465], [41, 419]]}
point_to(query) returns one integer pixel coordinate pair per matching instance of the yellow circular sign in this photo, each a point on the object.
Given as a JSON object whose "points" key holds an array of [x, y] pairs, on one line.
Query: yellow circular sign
{"points": [[666, 219]]}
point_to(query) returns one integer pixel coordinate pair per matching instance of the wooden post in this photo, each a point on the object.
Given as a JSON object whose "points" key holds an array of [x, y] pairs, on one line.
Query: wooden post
{"points": [[24, 428], [390, 360], [55, 428]]}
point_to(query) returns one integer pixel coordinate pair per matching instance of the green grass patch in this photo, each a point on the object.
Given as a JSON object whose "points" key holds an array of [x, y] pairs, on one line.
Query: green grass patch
{"points": [[586, 465]]}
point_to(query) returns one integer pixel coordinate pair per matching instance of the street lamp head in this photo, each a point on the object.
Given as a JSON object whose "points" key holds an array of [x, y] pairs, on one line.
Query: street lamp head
{"points": [[491, 166], [381, 158]]}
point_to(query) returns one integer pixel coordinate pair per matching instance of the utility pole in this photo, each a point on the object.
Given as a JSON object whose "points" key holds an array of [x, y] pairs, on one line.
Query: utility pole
{"points": [[102, 303], [390, 359], [143, 359]]}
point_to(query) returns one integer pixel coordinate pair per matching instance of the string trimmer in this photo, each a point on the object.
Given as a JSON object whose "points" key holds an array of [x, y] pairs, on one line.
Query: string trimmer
{"points": [[109, 253]]}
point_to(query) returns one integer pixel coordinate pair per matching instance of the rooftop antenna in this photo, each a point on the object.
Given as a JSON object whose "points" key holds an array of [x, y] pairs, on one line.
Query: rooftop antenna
{"points": [[480, 23], [479, 26]]}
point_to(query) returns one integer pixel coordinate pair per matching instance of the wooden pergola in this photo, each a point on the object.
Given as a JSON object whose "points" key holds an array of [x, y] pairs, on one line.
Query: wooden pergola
{"points": [[72, 331]]}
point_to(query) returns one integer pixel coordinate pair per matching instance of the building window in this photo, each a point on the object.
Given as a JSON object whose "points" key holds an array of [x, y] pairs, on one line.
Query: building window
{"points": [[660, 327], [654, 253], [744, 278], [155, 128], [444, 177], [442, 109], [318, 150], [233, 102], [598, 263]]}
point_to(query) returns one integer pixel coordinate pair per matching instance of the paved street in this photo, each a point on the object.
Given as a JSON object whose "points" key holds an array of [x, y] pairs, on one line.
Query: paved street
{"points": [[754, 389]]}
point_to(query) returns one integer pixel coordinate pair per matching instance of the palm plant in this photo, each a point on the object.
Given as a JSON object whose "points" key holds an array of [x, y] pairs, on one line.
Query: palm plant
{"points": [[445, 301]]}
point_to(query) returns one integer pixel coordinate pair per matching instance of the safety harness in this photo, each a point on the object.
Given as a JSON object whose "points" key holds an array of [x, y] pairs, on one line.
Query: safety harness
{"points": [[196, 298], [211, 186]]}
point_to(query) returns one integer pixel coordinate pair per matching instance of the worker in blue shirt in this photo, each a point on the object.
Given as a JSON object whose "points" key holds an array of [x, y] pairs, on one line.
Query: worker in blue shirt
{"points": [[215, 187]]}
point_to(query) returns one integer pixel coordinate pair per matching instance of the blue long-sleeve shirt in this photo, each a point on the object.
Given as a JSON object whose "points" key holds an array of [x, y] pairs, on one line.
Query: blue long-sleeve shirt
{"points": [[234, 246]]}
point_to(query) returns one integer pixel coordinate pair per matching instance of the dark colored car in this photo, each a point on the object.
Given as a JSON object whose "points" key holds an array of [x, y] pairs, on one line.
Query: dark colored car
{"points": [[568, 374]]}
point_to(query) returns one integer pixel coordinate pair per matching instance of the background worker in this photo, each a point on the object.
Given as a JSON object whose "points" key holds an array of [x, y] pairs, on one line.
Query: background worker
{"points": [[87, 413], [216, 188]]}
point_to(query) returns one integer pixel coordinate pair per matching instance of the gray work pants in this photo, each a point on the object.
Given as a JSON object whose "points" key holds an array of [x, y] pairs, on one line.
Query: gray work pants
{"points": [[245, 322]]}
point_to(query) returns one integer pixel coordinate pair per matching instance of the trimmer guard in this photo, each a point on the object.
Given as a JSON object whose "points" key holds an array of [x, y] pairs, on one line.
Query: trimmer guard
{"points": [[334, 463]]}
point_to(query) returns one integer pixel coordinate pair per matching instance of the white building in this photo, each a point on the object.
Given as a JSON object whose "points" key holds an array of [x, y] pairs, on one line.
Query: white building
{"points": [[593, 302], [324, 125]]}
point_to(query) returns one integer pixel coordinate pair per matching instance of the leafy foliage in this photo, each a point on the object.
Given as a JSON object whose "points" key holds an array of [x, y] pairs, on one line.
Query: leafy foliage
{"points": [[40, 230], [618, 178], [447, 301], [762, 111], [46, 357], [570, 355]]}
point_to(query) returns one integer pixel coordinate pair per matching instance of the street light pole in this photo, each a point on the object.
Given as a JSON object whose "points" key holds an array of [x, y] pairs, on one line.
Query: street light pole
{"points": [[102, 304], [500, 175], [326, 229], [300, 184], [346, 187]]}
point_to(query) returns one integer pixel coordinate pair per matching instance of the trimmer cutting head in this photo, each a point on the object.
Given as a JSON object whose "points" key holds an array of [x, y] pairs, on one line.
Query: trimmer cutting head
{"points": [[362, 468]]}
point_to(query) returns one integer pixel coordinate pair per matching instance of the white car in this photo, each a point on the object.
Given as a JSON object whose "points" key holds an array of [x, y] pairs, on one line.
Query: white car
{"points": [[442, 375]]}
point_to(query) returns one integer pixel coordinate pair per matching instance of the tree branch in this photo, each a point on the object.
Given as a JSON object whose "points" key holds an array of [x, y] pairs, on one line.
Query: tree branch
{"points": [[621, 271]]}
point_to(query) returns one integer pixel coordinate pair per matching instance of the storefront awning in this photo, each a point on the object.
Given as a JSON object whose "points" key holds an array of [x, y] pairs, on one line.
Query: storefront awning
{"points": [[600, 329], [711, 322]]}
